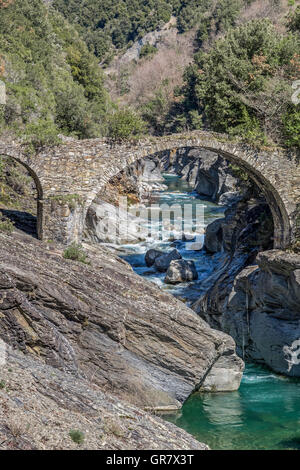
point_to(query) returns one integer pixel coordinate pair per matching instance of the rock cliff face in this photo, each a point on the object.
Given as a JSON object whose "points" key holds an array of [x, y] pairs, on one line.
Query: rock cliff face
{"points": [[102, 322], [40, 406], [263, 311], [246, 229], [254, 295]]}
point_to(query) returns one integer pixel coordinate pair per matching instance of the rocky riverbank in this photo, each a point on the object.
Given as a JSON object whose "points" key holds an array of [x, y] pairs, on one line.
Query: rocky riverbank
{"points": [[44, 408], [100, 324], [254, 295]]}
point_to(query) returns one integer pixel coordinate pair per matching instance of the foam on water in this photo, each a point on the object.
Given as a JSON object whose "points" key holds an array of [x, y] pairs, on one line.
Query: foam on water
{"points": [[179, 193]]}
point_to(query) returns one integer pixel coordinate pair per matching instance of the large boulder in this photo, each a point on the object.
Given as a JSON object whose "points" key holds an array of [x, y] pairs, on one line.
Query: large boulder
{"points": [[163, 262], [181, 271], [213, 241], [151, 256], [101, 321], [110, 224], [224, 376]]}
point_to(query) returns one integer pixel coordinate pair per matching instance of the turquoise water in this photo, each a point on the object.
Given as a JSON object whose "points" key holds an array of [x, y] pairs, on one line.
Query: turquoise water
{"points": [[265, 412]]}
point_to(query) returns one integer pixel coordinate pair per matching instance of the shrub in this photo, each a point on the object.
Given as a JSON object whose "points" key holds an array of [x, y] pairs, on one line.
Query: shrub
{"points": [[76, 436], [294, 20], [75, 252], [147, 50], [6, 225], [291, 122], [124, 125], [41, 134]]}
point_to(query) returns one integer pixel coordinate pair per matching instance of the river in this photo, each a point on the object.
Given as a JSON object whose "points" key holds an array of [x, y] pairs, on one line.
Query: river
{"points": [[265, 412]]}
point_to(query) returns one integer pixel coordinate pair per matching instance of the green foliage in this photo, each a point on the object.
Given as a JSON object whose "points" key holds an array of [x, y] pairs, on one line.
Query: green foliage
{"points": [[106, 25], [147, 50], [242, 86], [54, 84], [294, 20], [6, 225], [291, 122], [15, 183], [75, 252], [155, 112], [125, 124], [240, 174], [239, 84], [40, 134], [77, 436]]}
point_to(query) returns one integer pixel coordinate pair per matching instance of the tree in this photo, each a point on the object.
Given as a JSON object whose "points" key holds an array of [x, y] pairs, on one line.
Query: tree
{"points": [[125, 124], [242, 85], [53, 83]]}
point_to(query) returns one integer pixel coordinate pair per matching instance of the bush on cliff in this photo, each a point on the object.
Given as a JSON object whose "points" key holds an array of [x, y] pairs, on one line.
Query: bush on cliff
{"points": [[6, 225], [75, 252]]}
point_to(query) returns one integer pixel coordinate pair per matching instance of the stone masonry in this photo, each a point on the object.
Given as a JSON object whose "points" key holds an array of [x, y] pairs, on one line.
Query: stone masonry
{"points": [[69, 176]]}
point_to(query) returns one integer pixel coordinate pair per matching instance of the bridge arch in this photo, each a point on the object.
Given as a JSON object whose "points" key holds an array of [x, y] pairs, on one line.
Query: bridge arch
{"points": [[281, 219], [39, 190], [82, 168]]}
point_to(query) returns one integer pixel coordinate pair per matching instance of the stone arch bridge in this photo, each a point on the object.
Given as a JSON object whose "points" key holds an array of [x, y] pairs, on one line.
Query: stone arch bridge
{"points": [[70, 175]]}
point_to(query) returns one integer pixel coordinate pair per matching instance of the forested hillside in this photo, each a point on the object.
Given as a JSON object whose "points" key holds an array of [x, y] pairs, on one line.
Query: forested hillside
{"points": [[108, 25], [105, 24], [242, 85], [224, 65], [53, 83], [246, 62]]}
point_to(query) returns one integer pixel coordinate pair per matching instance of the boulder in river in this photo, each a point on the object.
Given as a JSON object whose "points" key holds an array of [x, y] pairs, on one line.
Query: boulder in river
{"points": [[188, 237], [162, 262], [151, 256], [196, 246], [213, 237], [181, 271]]}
